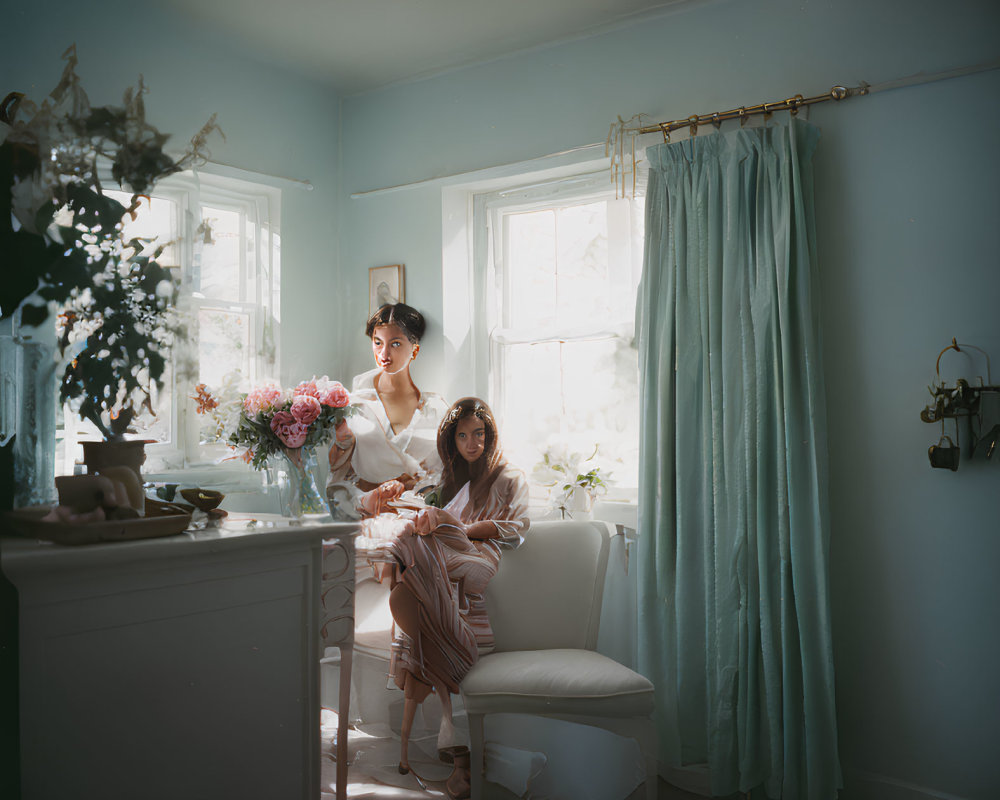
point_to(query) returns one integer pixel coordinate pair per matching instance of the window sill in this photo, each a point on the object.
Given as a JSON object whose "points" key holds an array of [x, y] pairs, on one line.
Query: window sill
{"points": [[619, 512]]}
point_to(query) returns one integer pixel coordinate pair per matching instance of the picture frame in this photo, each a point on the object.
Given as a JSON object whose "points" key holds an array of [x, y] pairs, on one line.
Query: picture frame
{"points": [[385, 285]]}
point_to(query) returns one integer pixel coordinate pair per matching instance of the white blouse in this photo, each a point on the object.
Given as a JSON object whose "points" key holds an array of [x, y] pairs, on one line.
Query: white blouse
{"points": [[380, 454]]}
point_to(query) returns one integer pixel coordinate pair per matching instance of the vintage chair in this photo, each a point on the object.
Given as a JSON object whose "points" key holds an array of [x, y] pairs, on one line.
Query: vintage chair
{"points": [[545, 608]]}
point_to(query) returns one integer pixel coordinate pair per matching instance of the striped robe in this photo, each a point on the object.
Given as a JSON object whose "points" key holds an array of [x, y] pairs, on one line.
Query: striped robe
{"points": [[448, 573]]}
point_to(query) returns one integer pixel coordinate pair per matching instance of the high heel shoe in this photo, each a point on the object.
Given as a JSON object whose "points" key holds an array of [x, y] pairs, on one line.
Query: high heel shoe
{"points": [[405, 769]]}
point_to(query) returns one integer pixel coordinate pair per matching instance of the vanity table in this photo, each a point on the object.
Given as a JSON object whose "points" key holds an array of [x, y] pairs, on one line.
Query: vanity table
{"points": [[178, 667]]}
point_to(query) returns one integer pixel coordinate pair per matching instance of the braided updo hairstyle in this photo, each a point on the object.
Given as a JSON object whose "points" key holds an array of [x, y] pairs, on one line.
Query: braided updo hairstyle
{"points": [[406, 318]]}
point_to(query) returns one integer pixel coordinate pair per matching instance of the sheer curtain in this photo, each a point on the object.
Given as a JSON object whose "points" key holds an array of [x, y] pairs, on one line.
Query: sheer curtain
{"points": [[733, 575]]}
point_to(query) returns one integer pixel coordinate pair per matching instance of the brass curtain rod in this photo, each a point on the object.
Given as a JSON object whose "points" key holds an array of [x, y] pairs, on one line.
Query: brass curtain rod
{"points": [[615, 147], [792, 104]]}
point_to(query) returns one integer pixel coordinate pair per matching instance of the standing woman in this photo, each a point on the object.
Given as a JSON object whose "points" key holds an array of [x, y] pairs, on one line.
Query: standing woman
{"points": [[389, 444], [444, 562]]}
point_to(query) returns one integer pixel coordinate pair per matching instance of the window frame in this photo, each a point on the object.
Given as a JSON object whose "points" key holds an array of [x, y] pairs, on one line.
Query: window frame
{"points": [[489, 275], [192, 190]]}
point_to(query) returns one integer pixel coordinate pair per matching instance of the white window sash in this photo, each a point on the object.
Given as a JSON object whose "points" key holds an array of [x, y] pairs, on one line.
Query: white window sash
{"points": [[257, 203]]}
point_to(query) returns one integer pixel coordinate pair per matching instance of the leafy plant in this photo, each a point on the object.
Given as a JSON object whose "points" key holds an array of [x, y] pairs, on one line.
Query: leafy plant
{"points": [[562, 468], [62, 244], [594, 482], [120, 331]]}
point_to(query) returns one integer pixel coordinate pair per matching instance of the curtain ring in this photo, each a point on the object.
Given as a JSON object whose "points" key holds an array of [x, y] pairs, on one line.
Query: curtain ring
{"points": [[693, 120], [665, 130], [743, 116], [793, 104], [716, 121]]}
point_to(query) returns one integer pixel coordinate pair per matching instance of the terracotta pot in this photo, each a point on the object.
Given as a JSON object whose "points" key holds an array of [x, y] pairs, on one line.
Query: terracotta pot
{"points": [[129, 453]]}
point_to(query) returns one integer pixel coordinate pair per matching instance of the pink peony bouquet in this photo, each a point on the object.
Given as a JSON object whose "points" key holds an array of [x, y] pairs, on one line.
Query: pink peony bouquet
{"points": [[272, 420]]}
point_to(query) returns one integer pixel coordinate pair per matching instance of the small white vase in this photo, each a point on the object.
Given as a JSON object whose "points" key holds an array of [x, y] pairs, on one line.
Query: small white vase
{"points": [[579, 503]]}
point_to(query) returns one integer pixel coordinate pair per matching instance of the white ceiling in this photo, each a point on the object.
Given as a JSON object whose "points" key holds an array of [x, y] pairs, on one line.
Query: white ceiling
{"points": [[360, 45]]}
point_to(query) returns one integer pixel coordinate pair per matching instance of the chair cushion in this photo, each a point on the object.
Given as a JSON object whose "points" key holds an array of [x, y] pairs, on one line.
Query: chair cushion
{"points": [[555, 682]]}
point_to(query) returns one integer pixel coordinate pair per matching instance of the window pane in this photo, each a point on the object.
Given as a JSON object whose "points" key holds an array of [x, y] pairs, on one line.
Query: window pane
{"points": [[250, 257], [156, 218], [531, 269], [220, 254], [570, 271], [158, 428], [224, 344], [582, 394], [582, 235]]}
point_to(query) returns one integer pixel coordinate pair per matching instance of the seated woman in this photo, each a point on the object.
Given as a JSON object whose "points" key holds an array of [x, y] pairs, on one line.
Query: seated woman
{"points": [[444, 561], [389, 444]]}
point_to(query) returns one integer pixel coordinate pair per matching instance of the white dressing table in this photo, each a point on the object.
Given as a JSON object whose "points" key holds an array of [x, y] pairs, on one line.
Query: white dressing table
{"points": [[180, 667]]}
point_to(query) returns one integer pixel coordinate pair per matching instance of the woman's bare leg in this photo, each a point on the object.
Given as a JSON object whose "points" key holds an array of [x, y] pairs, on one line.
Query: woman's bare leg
{"points": [[405, 610], [446, 734], [415, 691], [409, 711]]}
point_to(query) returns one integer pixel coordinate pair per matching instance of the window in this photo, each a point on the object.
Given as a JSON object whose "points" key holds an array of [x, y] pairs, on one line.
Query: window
{"points": [[222, 238], [559, 266]]}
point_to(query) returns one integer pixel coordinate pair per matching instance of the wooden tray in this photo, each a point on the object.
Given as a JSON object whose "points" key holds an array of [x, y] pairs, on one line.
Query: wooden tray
{"points": [[28, 522]]}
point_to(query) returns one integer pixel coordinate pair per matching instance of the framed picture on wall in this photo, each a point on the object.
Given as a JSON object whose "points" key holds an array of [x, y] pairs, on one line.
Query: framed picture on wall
{"points": [[385, 285]]}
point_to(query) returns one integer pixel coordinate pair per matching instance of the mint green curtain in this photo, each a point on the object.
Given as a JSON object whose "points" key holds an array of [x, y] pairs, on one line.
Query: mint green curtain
{"points": [[733, 535]]}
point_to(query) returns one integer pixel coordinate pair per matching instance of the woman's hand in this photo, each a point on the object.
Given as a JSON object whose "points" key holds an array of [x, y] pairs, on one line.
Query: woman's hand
{"points": [[426, 521], [377, 500], [484, 529], [430, 519]]}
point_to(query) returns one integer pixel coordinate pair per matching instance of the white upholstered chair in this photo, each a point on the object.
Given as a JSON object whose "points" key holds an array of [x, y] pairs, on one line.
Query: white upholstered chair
{"points": [[545, 609]]}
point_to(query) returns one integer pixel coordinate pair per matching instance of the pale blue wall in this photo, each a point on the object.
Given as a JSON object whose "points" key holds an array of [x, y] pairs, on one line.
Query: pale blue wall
{"points": [[275, 122], [909, 198]]}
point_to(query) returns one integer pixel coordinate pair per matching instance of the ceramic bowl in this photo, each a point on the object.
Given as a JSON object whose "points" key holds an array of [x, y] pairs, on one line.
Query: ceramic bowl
{"points": [[202, 499]]}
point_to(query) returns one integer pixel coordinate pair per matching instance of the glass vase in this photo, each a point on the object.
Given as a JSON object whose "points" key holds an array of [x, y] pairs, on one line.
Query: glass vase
{"points": [[29, 413], [298, 491]]}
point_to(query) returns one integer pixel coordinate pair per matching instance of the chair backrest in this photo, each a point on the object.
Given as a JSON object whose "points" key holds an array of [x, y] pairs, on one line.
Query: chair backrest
{"points": [[548, 592]]}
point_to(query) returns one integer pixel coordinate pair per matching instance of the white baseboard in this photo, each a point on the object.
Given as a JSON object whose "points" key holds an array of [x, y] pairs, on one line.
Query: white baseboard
{"points": [[861, 785]]}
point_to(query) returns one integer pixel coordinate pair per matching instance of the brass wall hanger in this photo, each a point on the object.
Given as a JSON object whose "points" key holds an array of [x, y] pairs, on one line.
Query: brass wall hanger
{"points": [[964, 399]]}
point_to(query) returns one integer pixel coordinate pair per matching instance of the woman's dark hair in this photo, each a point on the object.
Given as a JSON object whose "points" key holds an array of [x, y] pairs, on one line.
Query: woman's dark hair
{"points": [[406, 318], [457, 471]]}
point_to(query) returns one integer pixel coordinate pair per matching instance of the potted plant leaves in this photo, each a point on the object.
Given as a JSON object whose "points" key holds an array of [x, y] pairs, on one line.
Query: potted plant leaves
{"points": [[63, 247]]}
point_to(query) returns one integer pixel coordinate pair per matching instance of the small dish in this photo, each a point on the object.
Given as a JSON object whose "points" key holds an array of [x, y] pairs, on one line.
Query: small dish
{"points": [[202, 499]]}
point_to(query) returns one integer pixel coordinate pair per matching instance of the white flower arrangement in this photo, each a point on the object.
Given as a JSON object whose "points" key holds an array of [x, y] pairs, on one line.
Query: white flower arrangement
{"points": [[563, 472]]}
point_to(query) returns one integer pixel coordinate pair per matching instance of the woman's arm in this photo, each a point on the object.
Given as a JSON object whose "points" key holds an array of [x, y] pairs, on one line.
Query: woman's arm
{"points": [[484, 529], [506, 508], [340, 452]]}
